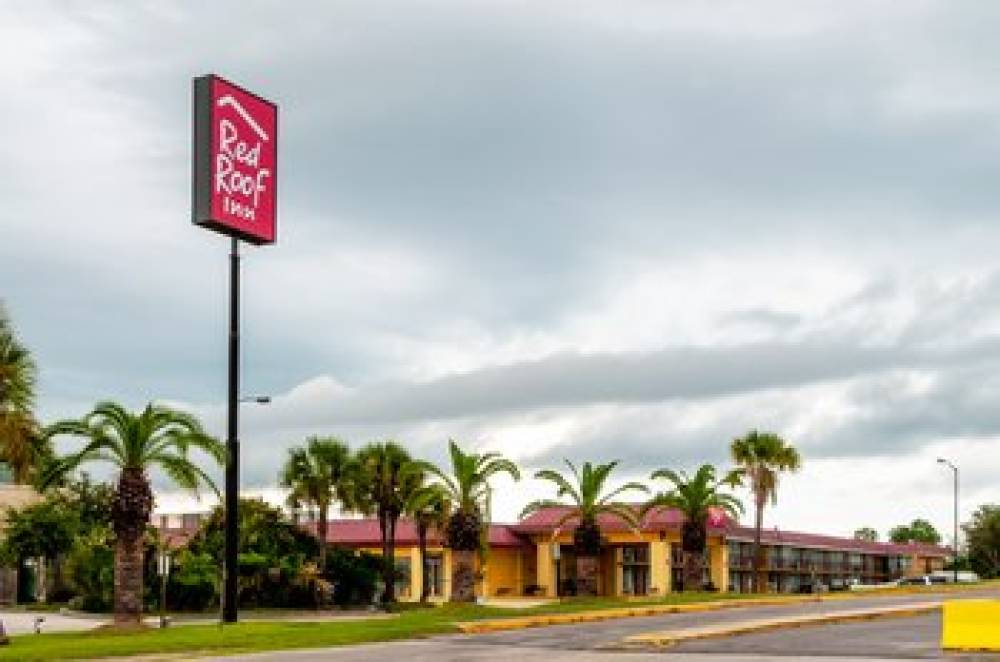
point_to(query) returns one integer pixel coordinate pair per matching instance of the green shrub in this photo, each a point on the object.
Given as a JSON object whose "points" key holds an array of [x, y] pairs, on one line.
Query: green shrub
{"points": [[89, 571], [354, 575]]}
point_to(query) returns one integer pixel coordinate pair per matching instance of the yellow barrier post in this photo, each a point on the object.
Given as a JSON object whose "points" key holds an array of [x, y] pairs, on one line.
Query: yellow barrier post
{"points": [[971, 625]]}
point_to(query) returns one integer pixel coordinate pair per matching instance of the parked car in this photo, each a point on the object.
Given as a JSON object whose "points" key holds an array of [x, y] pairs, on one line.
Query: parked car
{"points": [[948, 576], [925, 580]]}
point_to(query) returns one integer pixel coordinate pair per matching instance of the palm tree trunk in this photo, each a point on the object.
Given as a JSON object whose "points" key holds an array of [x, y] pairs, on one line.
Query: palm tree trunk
{"points": [[586, 574], [128, 581], [425, 589], [463, 575], [321, 531], [692, 570], [758, 556], [130, 509], [388, 562]]}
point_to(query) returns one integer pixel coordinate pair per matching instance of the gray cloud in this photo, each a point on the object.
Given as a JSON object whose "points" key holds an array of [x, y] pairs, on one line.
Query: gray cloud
{"points": [[497, 214], [574, 379]]}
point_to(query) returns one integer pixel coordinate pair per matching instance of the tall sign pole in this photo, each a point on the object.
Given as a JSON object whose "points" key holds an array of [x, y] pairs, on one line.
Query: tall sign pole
{"points": [[230, 589], [234, 192]]}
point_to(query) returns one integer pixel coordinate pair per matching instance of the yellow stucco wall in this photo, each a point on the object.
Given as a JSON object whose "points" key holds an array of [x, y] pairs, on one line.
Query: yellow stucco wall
{"points": [[509, 570], [659, 567], [502, 572], [545, 575], [411, 593]]}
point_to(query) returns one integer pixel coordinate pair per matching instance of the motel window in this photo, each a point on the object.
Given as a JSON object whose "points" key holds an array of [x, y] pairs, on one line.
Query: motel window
{"points": [[435, 575], [635, 554]]}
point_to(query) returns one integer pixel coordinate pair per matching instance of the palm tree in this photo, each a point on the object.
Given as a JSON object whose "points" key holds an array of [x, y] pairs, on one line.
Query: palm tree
{"points": [[157, 437], [468, 489], [695, 497], [384, 480], [760, 458], [22, 447], [585, 493], [316, 475], [429, 507]]}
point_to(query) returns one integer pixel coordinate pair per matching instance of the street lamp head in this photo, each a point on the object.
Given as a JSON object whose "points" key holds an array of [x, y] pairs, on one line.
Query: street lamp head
{"points": [[263, 400], [941, 460]]}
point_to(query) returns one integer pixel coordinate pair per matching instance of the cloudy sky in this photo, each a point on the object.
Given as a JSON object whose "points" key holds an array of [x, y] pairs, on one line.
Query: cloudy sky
{"points": [[593, 230]]}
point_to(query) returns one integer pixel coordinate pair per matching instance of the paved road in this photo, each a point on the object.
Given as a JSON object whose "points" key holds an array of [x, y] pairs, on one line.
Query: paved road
{"points": [[897, 637], [603, 633], [435, 651], [914, 637]]}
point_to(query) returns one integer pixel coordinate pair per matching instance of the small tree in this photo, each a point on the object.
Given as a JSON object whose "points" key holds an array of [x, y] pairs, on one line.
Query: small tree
{"points": [[316, 475], [695, 497], [588, 501], [429, 506], [22, 446], [919, 530], [983, 536], [158, 436], [384, 480], [468, 488], [761, 457], [273, 553]]}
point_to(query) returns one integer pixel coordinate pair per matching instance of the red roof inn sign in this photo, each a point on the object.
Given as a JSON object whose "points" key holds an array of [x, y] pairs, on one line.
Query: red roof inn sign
{"points": [[235, 161]]}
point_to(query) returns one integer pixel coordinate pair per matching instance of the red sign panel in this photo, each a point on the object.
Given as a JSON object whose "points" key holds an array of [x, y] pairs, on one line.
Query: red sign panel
{"points": [[235, 161]]}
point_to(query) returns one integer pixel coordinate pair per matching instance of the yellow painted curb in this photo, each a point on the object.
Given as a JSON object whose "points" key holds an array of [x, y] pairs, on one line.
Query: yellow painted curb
{"points": [[542, 620], [971, 625], [670, 638]]}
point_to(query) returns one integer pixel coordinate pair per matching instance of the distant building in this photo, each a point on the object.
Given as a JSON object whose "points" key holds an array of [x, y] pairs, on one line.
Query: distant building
{"points": [[23, 581]]}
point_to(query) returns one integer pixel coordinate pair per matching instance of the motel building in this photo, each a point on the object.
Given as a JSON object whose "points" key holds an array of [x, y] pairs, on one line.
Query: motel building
{"points": [[532, 559]]}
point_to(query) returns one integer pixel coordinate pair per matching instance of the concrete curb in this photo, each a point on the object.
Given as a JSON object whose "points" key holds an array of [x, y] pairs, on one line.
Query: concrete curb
{"points": [[672, 637]]}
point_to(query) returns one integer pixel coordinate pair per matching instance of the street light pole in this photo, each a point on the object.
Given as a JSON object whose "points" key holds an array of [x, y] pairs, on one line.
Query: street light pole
{"points": [[954, 469]]}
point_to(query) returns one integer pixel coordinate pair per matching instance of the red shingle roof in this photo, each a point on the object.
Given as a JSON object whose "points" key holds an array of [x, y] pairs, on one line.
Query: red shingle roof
{"points": [[545, 520], [777, 537], [365, 533]]}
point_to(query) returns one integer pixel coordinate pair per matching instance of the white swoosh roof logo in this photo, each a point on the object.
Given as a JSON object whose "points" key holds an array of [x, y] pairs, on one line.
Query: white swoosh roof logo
{"points": [[229, 100]]}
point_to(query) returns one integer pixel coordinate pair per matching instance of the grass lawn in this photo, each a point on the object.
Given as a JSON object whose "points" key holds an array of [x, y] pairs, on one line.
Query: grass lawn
{"points": [[411, 622], [261, 636]]}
